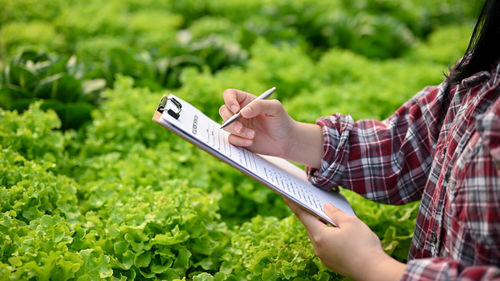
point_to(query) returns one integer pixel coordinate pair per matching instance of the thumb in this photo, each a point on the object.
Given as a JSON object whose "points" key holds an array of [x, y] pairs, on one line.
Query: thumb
{"points": [[337, 215], [263, 107]]}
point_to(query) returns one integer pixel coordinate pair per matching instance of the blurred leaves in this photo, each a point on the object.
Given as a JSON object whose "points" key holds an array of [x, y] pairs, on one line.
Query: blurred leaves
{"points": [[33, 76]]}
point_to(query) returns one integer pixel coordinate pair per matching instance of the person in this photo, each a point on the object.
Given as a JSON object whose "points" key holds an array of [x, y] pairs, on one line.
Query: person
{"points": [[441, 147]]}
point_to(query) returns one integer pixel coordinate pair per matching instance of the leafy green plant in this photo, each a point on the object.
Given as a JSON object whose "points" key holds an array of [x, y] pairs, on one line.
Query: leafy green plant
{"points": [[372, 36], [17, 36], [268, 249], [164, 70], [32, 133], [37, 219], [36, 76], [167, 232]]}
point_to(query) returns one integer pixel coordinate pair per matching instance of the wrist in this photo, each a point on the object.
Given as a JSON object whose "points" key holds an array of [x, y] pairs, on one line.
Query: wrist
{"points": [[289, 142], [381, 267], [305, 145]]}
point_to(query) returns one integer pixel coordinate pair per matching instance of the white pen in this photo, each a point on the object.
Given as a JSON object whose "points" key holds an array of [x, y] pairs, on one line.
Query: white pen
{"points": [[233, 118]]}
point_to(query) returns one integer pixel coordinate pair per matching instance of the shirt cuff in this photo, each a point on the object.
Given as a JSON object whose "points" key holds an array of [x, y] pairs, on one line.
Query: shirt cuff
{"points": [[439, 268], [416, 269], [336, 130]]}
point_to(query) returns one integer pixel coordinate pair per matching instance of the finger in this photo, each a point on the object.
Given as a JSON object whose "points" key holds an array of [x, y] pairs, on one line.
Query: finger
{"points": [[313, 225], [337, 215], [235, 127], [239, 141], [290, 204], [296, 210], [246, 133], [236, 99], [225, 112], [263, 107]]}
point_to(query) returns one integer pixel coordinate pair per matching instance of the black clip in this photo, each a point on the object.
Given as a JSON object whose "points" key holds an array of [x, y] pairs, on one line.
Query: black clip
{"points": [[161, 106], [163, 103], [179, 108]]}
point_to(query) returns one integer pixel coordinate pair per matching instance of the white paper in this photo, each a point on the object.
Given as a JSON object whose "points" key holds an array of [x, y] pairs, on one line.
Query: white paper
{"points": [[279, 174]]}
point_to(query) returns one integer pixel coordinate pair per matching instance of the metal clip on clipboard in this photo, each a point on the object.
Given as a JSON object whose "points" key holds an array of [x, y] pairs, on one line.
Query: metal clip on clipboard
{"points": [[174, 113]]}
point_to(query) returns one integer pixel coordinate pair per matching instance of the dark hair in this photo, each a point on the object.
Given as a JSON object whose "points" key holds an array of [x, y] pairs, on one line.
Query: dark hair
{"points": [[483, 51]]}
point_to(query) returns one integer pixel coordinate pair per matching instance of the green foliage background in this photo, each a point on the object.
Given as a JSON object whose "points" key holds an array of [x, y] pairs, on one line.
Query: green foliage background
{"points": [[92, 189]]}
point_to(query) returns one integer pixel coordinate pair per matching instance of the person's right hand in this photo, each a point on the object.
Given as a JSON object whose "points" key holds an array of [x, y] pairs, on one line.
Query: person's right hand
{"points": [[264, 127]]}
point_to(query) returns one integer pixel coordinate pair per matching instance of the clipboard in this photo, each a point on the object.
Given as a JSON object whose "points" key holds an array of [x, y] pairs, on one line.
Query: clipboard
{"points": [[276, 173]]}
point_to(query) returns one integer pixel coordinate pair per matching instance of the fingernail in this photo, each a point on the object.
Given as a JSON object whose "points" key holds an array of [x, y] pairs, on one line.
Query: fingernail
{"points": [[234, 108]]}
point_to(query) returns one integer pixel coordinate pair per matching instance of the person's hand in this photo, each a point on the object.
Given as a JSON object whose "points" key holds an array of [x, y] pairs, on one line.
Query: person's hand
{"points": [[351, 248], [266, 128]]}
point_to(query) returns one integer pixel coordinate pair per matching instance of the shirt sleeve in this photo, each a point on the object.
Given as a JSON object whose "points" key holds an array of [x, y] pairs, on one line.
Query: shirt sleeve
{"points": [[385, 161], [445, 269]]}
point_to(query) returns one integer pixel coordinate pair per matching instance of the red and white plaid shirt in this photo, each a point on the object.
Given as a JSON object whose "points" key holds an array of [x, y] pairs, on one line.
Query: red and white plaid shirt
{"points": [[443, 148]]}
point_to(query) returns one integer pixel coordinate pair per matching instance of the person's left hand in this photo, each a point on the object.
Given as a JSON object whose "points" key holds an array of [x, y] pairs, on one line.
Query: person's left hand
{"points": [[351, 248]]}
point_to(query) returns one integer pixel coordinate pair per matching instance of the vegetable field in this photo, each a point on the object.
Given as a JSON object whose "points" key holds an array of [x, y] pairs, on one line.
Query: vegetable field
{"points": [[92, 189]]}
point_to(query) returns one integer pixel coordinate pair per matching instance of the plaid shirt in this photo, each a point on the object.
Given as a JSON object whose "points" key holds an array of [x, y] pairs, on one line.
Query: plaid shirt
{"points": [[443, 148]]}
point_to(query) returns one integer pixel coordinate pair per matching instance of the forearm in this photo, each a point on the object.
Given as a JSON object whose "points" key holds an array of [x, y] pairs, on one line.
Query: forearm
{"points": [[383, 268], [306, 145]]}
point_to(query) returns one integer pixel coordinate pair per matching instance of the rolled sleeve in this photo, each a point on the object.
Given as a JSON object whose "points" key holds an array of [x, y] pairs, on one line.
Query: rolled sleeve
{"points": [[335, 130], [445, 269], [384, 161]]}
